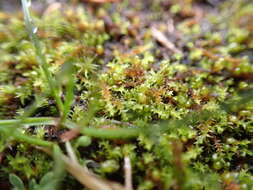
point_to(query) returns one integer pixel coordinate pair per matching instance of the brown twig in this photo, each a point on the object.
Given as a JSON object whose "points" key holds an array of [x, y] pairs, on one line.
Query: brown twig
{"points": [[82, 174], [88, 179], [160, 37], [214, 57]]}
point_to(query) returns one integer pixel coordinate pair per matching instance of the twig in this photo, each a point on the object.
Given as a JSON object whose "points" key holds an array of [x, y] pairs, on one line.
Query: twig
{"points": [[160, 37], [128, 173], [215, 57], [170, 26], [70, 152], [87, 178]]}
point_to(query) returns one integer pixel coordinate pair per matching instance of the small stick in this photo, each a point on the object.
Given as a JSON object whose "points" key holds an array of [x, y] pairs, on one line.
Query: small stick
{"points": [[170, 26], [160, 37], [128, 173], [82, 174], [70, 152]]}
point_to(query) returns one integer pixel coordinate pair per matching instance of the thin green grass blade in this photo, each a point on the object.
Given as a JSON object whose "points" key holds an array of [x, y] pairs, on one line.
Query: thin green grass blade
{"points": [[32, 121], [66, 77], [40, 57], [19, 136]]}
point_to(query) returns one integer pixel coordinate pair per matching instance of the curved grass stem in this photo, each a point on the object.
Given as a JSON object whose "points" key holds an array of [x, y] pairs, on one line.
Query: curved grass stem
{"points": [[19, 136], [40, 57], [30, 121]]}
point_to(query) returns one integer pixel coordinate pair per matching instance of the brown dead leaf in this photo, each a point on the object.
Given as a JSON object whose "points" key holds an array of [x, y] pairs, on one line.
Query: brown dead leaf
{"points": [[232, 186], [69, 135]]}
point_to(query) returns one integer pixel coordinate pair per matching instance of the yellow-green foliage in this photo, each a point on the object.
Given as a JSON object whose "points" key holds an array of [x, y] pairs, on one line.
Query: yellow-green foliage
{"points": [[207, 141]]}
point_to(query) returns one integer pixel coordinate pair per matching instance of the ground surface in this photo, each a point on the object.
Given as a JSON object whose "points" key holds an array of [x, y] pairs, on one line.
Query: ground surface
{"points": [[166, 84]]}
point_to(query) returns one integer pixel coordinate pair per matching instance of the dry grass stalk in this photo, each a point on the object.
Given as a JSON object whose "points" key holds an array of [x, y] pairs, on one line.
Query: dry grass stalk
{"points": [[128, 173], [160, 37], [85, 177]]}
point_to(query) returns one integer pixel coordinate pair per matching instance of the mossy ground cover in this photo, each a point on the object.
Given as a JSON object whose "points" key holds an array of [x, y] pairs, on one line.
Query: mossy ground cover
{"points": [[128, 95]]}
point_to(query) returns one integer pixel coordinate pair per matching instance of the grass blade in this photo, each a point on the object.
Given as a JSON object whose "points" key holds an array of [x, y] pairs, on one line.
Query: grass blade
{"points": [[30, 121], [40, 57], [66, 77]]}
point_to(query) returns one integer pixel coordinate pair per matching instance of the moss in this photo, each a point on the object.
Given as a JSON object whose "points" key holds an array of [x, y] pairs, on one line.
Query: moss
{"points": [[139, 83]]}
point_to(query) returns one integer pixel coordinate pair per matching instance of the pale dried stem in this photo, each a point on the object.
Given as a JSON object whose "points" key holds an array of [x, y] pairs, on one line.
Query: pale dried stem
{"points": [[128, 173], [160, 37]]}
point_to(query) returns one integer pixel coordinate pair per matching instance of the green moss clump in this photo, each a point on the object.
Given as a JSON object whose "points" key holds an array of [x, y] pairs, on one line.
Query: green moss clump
{"points": [[139, 83]]}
